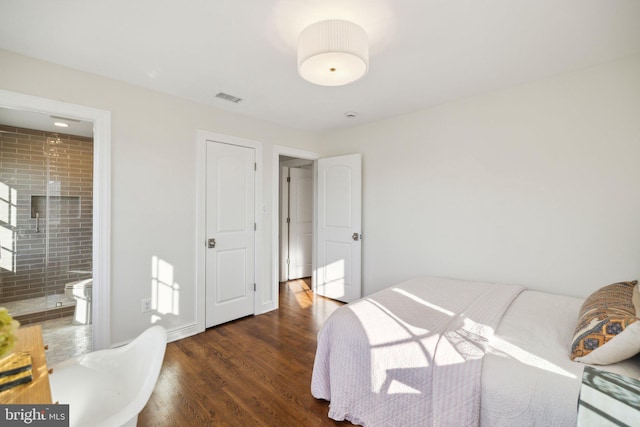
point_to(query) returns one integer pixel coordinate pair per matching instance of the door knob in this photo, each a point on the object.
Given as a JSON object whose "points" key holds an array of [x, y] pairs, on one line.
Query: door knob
{"points": [[355, 236], [212, 243]]}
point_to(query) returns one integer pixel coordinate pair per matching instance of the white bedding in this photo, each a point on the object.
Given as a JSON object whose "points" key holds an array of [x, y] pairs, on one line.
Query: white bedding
{"points": [[527, 377], [376, 357]]}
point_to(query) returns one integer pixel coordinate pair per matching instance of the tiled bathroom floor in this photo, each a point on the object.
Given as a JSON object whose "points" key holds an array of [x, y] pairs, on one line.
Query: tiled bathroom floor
{"points": [[65, 339]]}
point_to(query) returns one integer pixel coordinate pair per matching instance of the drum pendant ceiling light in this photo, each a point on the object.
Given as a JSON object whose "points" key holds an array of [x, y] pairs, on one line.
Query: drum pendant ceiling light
{"points": [[333, 53]]}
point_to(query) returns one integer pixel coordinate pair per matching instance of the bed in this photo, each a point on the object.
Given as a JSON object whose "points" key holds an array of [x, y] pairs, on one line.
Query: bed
{"points": [[437, 352]]}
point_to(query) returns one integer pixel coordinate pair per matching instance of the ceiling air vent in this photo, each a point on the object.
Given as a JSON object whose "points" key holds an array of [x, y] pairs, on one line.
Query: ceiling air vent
{"points": [[228, 97]]}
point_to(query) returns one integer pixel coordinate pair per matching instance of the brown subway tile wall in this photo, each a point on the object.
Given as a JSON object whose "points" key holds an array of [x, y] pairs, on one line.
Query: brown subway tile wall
{"points": [[31, 163]]}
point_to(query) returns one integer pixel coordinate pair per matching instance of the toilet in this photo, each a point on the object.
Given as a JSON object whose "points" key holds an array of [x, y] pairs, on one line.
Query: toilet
{"points": [[80, 291]]}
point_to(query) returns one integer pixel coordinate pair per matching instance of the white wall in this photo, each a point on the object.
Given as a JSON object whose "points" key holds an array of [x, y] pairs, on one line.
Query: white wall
{"points": [[536, 184], [153, 179]]}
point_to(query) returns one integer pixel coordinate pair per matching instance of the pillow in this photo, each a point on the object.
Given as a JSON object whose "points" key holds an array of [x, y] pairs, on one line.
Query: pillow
{"points": [[636, 299], [608, 329]]}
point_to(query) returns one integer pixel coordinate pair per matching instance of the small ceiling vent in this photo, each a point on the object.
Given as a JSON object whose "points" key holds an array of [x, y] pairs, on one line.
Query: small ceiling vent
{"points": [[228, 97]]}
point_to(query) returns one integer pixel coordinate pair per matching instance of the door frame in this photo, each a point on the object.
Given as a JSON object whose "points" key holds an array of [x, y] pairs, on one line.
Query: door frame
{"points": [[260, 211], [101, 299], [280, 150]]}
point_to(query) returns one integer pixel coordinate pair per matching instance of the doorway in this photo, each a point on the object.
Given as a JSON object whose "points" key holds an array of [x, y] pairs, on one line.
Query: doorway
{"points": [[282, 153], [47, 215], [296, 218], [100, 122], [338, 267]]}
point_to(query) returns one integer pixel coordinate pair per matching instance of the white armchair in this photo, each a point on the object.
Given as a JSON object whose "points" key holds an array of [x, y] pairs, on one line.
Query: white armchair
{"points": [[108, 388]]}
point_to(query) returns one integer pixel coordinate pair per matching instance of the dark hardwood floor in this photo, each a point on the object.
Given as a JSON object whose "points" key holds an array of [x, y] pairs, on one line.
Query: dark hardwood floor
{"points": [[254, 371]]}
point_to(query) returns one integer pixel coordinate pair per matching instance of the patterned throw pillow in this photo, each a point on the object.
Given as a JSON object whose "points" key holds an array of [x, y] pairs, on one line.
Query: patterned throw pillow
{"points": [[608, 329], [636, 299]]}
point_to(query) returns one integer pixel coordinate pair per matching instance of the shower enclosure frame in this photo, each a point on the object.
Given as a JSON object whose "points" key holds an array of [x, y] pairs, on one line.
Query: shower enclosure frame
{"points": [[101, 120]]}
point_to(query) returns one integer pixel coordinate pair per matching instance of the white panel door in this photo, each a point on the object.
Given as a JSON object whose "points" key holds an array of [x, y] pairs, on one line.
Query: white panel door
{"points": [[230, 217], [339, 227], [300, 222]]}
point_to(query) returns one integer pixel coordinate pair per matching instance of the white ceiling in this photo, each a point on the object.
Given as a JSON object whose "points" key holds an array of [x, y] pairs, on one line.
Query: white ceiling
{"points": [[40, 121], [422, 52]]}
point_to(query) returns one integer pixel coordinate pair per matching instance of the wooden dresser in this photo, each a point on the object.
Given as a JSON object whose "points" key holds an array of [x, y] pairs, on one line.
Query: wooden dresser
{"points": [[38, 390]]}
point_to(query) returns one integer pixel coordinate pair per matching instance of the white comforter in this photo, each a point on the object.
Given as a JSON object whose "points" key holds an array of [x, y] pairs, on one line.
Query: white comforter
{"points": [[435, 352], [381, 359], [527, 376]]}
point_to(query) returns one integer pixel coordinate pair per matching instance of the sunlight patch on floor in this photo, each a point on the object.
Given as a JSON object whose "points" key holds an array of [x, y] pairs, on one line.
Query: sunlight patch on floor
{"points": [[301, 292]]}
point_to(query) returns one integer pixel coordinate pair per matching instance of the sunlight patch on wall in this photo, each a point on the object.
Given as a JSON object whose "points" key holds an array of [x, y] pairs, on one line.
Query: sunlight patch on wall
{"points": [[165, 293]]}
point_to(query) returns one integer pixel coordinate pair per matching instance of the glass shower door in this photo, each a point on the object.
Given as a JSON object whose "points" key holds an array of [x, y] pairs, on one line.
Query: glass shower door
{"points": [[23, 244]]}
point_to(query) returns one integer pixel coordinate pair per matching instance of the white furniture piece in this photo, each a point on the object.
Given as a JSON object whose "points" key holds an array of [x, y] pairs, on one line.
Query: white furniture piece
{"points": [[108, 388], [81, 291]]}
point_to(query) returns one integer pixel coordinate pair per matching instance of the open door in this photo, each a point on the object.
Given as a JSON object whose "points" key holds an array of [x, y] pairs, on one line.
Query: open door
{"points": [[339, 224], [300, 223]]}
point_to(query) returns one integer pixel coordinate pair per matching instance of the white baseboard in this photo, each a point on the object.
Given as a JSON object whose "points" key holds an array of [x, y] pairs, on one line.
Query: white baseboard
{"points": [[183, 332], [172, 335]]}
